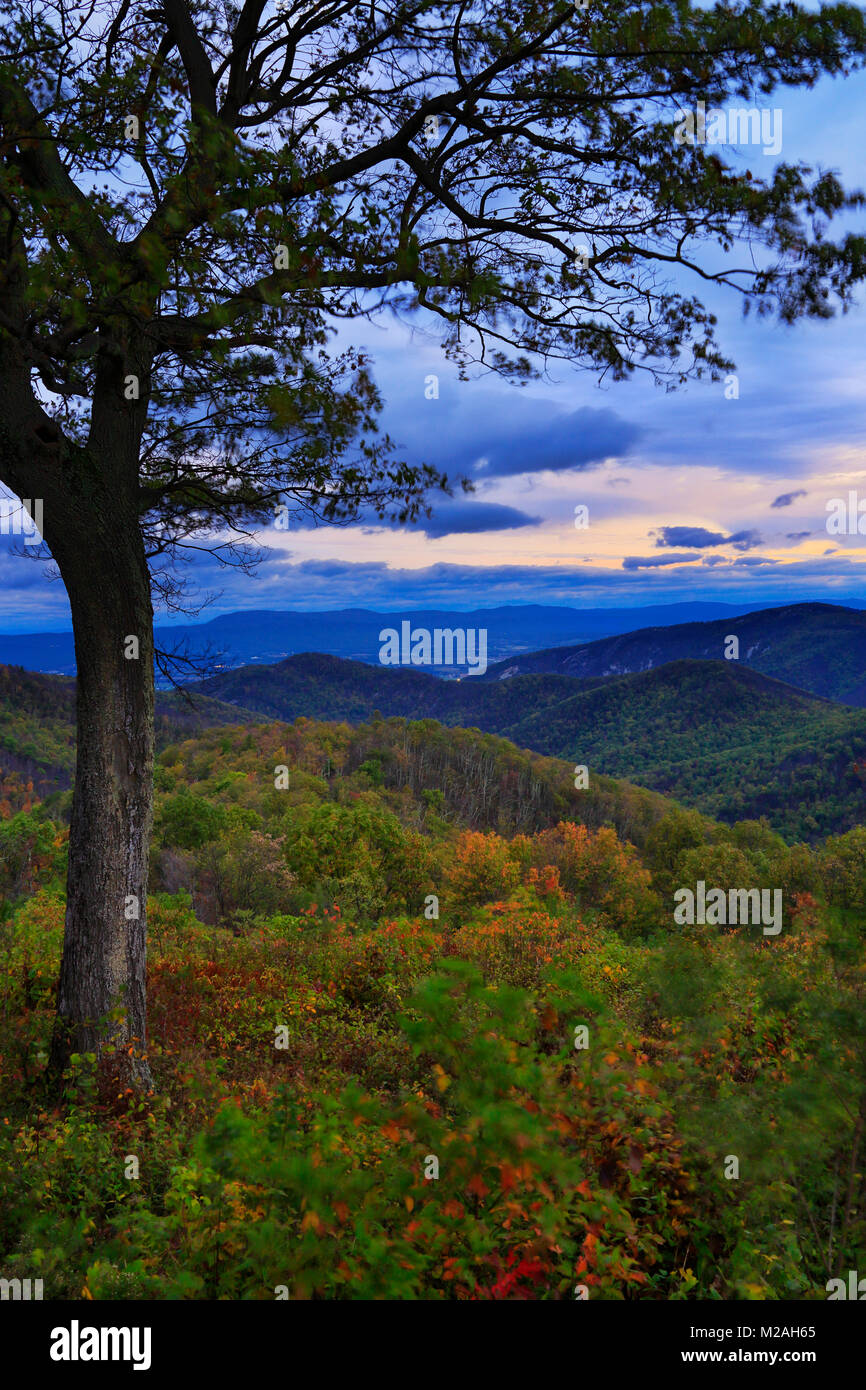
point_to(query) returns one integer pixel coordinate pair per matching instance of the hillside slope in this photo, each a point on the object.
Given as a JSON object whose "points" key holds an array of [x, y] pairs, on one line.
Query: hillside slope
{"points": [[715, 734], [328, 687], [37, 730], [818, 647], [734, 743]]}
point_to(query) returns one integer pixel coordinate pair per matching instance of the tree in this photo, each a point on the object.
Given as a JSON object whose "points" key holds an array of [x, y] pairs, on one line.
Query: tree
{"points": [[192, 195]]}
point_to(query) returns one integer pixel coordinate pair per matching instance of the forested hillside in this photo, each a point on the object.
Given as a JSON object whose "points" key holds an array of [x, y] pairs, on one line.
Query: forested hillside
{"points": [[726, 740], [37, 731], [712, 734], [717, 735], [423, 1026], [819, 647]]}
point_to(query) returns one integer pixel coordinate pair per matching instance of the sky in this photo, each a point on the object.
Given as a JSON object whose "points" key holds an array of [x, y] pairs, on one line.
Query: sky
{"points": [[688, 495]]}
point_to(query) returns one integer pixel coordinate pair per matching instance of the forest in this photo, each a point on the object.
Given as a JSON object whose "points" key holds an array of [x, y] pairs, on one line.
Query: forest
{"points": [[717, 735], [422, 1027]]}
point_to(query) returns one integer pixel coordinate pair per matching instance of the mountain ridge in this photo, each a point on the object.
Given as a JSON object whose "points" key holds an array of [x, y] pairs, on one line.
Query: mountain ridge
{"points": [[726, 737], [713, 734], [817, 647], [264, 636]]}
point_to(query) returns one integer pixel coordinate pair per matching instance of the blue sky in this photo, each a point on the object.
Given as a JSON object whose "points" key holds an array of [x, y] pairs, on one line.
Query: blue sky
{"points": [[689, 495]]}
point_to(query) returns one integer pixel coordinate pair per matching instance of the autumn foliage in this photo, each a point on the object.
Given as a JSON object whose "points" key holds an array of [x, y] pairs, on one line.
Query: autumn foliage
{"points": [[403, 1056]]}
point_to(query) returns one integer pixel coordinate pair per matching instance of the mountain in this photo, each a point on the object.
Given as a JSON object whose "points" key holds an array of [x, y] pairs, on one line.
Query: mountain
{"points": [[723, 736], [820, 647], [267, 636], [327, 687], [713, 734], [733, 743], [484, 781]]}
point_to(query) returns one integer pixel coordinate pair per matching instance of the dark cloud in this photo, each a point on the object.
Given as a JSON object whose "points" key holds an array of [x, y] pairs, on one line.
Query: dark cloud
{"points": [[365, 571], [472, 518], [329, 584], [651, 562], [797, 535], [502, 437], [744, 561], [786, 498], [457, 518], [744, 540], [687, 535], [699, 536]]}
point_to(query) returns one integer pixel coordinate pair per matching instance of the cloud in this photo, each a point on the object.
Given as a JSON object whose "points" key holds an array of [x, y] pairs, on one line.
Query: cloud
{"points": [[542, 441], [699, 536], [786, 498], [457, 518], [651, 562], [328, 584], [744, 540], [471, 518], [797, 535], [744, 561], [19, 571], [336, 583], [489, 435]]}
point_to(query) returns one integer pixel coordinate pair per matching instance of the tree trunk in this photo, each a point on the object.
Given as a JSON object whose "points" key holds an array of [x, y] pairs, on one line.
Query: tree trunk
{"points": [[91, 498], [101, 1002]]}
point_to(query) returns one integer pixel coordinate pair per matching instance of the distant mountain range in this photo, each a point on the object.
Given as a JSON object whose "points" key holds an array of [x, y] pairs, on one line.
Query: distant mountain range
{"points": [[820, 647], [265, 636], [737, 739]]}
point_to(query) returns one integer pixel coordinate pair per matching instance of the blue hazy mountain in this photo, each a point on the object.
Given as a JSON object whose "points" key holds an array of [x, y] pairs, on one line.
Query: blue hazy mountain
{"points": [[254, 637]]}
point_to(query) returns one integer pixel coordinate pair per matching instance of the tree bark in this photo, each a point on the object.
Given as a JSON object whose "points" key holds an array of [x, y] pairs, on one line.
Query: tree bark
{"points": [[101, 1001], [91, 524]]}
